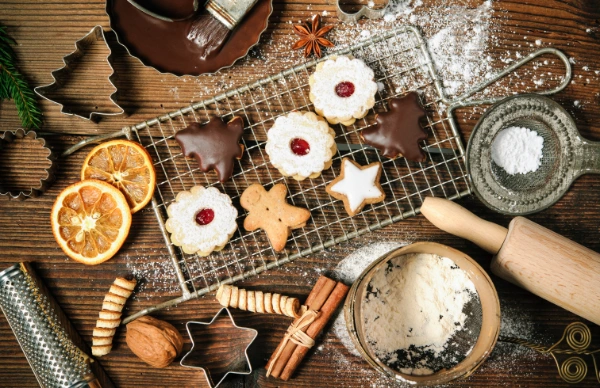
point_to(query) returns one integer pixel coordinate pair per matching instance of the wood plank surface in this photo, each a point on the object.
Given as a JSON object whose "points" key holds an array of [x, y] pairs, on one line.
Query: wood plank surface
{"points": [[45, 31]]}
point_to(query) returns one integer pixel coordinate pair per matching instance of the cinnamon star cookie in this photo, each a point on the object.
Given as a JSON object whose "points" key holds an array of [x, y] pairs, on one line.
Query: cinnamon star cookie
{"points": [[270, 212], [215, 145], [357, 186], [398, 131]]}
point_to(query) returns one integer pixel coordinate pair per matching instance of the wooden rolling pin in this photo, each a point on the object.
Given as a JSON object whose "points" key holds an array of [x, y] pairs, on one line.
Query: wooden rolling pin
{"points": [[530, 256]]}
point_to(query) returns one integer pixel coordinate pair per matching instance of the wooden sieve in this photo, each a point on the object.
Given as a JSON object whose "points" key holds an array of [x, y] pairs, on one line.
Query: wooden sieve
{"points": [[484, 339]]}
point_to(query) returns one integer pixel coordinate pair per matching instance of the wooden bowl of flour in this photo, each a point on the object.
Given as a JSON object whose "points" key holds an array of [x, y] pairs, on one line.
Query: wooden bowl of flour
{"points": [[424, 314]]}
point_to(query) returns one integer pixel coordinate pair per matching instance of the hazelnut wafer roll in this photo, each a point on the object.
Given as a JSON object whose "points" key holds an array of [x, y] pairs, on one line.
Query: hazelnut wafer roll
{"points": [[257, 301], [110, 316]]}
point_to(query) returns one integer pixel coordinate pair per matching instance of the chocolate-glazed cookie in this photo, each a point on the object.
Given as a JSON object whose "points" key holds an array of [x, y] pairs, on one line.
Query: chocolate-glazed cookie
{"points": [[215, 145], [398, 131]]}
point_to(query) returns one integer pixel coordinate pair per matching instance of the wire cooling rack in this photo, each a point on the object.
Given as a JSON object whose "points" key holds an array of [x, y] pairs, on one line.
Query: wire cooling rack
{"points": [[402, 64]]}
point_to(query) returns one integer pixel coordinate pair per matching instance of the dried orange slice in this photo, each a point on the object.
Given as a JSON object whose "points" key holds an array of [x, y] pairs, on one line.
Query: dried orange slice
{"points": [[127, 166], [90, 221]]}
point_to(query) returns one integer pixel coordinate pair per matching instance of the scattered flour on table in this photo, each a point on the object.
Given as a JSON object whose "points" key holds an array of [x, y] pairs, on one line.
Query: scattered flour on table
{"points": [[518, 150], [417, 301]]}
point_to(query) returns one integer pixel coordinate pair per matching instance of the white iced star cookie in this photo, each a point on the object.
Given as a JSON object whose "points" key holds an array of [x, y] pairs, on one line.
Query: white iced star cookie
{"points": [[342, 89], [357, 186], [300, 145], [201, 220]]}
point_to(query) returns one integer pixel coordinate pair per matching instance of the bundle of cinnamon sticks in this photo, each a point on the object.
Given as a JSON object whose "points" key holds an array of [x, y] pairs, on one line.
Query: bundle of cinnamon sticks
{"points": [[322, 302]]}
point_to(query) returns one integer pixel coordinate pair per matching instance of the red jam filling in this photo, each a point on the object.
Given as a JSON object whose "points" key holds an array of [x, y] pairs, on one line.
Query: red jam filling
{"points": [[205, 216], [300, 147], [344, 89]]}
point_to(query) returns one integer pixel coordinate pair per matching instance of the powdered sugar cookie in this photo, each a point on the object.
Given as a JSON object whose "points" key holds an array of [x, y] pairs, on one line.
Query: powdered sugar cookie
{"points": [[357, 186], [300, 145], [201, 220], [342, 89]]}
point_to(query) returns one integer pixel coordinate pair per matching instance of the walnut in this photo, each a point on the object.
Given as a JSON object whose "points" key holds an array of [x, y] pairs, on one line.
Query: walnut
{"points": [[156, 342]]}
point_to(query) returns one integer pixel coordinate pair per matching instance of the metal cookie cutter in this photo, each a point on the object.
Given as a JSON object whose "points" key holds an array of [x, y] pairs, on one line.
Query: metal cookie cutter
{"points": [[366, 11], [60, 75], [39, 188], [238, 337]]}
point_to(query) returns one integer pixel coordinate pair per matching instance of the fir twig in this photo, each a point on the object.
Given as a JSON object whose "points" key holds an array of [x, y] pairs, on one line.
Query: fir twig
{"points": [[13, 84]]}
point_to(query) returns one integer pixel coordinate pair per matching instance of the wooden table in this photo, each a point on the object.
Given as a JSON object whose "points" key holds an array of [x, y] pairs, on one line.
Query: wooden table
{"points": [[46, 31]]}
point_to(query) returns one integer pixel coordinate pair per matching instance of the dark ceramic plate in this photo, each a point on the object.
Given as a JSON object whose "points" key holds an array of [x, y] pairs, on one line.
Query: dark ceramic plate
{"points": [[164, 46]]}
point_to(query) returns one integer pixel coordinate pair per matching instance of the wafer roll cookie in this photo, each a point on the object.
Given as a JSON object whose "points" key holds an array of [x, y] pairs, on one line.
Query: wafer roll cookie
{"points": [[257, 301], [109, 318]]}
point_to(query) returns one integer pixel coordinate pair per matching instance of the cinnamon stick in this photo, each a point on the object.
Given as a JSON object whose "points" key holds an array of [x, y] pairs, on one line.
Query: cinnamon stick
{"points": [[317, 297], [337, 296]]}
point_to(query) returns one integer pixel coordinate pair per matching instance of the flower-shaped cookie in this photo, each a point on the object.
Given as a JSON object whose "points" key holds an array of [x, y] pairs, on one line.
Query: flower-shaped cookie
{"points": [[300, 145], [201, 220], [342, 89]]}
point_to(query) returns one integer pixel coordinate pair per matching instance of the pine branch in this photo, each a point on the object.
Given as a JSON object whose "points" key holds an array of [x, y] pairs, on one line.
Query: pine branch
{"points": [[13, 84]]}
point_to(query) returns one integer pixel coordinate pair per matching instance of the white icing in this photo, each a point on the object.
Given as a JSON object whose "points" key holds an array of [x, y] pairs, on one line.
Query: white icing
{"points": [[358, 185], [306, 126], [329, 74], [191, 236]]}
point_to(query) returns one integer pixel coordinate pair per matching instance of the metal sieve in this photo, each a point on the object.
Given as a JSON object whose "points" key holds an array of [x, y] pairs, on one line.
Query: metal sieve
{"points": [[565, 157], [474, 343]]}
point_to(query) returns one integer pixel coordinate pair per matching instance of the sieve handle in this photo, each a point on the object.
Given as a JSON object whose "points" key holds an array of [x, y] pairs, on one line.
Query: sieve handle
{"points": [[455, 219], [590, 159]]}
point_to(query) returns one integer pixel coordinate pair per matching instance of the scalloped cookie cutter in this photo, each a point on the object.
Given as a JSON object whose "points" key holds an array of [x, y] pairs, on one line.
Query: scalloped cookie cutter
{"points": [[61, 74], [238, 363], [8, 137], [366, 11]]}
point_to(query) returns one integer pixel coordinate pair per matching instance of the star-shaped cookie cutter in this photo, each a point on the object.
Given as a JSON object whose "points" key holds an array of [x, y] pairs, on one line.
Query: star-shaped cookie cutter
{"points": [[61, 74], [42, 185], [366, 11], [240, 361]]}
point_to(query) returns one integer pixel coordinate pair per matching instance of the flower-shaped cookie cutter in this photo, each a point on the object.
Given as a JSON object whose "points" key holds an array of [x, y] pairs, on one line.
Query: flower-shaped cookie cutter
{"points": [[45, 179], [366, 11], [212, 354], [62, 74]]}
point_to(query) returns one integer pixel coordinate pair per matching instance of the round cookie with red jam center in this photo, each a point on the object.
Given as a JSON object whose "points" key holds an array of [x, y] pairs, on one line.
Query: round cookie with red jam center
{"points": [[342, 89], [201, 220], [300, 145]]}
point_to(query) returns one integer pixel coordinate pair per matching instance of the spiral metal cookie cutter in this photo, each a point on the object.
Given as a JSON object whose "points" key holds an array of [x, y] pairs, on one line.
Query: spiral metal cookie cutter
{"points": [[366, 11], [239, 366], [42, 185], [61, 74]]}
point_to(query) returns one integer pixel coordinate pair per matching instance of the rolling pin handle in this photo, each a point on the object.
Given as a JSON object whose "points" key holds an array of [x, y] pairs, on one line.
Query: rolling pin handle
{"points": [[456, 220]]}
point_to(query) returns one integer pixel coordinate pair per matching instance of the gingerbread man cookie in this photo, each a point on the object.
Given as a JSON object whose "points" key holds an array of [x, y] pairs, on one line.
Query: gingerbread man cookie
{"points": [[270, 212], [215, 145], [357, 186]]}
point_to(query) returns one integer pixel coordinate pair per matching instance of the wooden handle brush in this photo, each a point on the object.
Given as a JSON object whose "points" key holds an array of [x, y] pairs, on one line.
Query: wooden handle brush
{"points": [[210, 30]]}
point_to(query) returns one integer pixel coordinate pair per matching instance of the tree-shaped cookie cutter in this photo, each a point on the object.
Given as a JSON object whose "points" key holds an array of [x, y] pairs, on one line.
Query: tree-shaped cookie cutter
{"points": [[45, 180], [62, 74], [235, 365]]}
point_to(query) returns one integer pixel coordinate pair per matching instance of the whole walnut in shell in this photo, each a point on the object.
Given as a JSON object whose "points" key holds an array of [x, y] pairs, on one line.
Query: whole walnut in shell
{"points": [[156, 342]]}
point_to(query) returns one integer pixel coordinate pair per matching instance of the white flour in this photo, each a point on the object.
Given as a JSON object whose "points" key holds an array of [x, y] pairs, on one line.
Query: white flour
{"points": [[518, 150], [417, 301]]}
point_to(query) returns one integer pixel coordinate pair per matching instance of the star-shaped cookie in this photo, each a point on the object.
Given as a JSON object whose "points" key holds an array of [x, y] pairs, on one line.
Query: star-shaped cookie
{"points": [[215, 145], [398, 131], [270, 212], [357, 186]]}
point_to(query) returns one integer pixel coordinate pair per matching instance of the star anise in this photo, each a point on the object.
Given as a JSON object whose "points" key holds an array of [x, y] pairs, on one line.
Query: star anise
{"points": [[311, 37]]}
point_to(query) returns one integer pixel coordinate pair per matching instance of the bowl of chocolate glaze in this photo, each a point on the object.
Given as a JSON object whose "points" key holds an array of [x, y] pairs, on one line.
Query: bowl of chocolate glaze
{"points": [[164, 45]]}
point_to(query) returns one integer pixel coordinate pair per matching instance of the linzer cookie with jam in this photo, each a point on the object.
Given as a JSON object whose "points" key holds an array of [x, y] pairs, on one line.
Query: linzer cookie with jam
{"points": [[301, 145], [201, 220], [398, 131], [342, 89]]}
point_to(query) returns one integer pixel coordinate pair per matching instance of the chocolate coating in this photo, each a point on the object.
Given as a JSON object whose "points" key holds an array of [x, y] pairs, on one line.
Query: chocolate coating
{"points": [[398, 131], [215, 145], [164, 45]]}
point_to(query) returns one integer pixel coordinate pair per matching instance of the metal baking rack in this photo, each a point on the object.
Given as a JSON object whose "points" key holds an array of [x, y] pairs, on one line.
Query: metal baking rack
{"points": [[402, 63]]}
